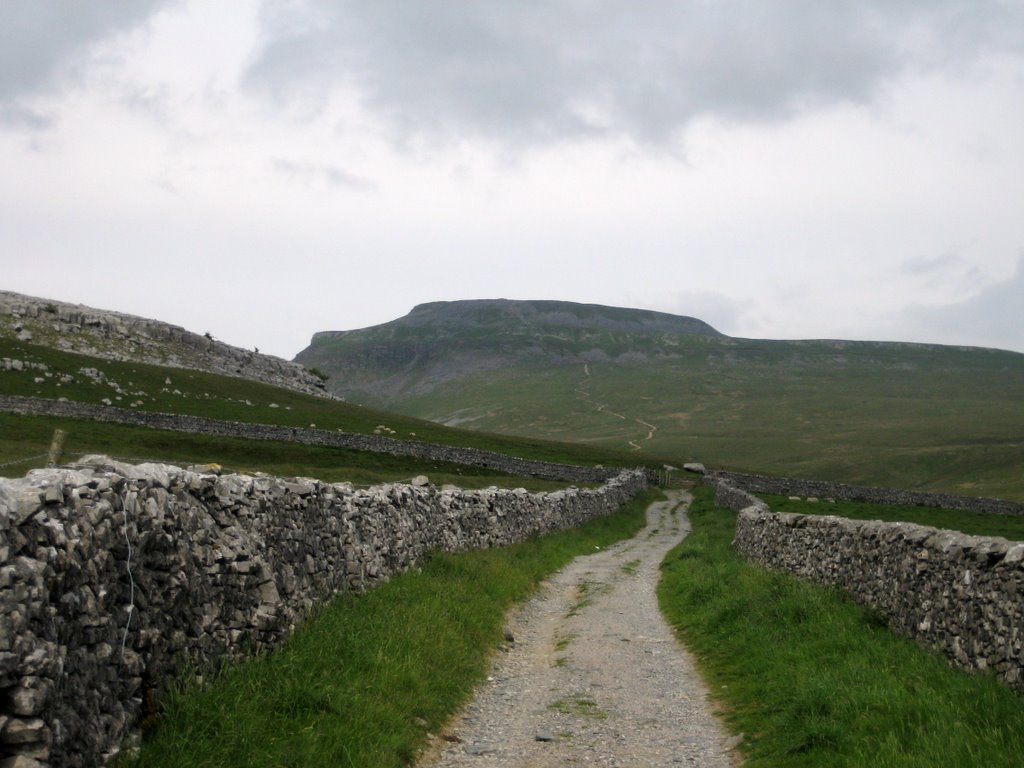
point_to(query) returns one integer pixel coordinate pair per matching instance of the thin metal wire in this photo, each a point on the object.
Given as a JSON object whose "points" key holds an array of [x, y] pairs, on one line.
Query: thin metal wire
{"points": [[131, 579], [22, 461]]}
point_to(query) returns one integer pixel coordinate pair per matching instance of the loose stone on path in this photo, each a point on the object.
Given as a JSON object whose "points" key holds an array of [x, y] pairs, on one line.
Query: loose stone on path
{"points": [[594, 676]]}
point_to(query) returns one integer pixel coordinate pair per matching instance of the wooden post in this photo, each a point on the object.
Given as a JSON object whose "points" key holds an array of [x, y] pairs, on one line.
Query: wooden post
{"points": [[57, 446]]}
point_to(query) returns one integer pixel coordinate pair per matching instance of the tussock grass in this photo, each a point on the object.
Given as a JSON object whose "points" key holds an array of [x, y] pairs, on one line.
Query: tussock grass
{"points": [[365, 681], [813, 679]]}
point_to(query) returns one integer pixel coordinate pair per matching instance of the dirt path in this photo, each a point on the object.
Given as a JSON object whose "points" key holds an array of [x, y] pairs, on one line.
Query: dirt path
{"points": [[594, 676], [582, 390]]}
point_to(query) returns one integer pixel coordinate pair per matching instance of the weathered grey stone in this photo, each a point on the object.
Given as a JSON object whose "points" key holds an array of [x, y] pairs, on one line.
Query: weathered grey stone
{"points": [[216, 563], [28, 697], [21, 731], [19, 499], [957, 593], [20, 761]]}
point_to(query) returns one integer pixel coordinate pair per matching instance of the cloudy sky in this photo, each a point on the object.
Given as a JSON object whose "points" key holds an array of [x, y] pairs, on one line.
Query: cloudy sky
{"points": [[265, 170]]}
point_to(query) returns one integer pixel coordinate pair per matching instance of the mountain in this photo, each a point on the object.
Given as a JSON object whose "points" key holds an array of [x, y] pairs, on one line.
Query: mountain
{"points": [[116, 336], [443, 341], [882, 413]]}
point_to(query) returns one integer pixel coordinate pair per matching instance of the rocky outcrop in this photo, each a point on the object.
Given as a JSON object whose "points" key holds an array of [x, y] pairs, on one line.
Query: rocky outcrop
{"points": [[952, 592], [114, 576], [116, 336]]}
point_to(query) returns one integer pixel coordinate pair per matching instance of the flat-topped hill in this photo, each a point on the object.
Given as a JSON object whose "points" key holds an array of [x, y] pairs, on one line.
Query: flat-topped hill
{"points": [[441, 341], [873, 413]]}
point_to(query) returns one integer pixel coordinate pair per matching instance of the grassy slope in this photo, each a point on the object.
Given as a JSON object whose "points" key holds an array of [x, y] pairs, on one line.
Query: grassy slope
{"points": [[192, 392], [365, 682], [813, 679], [935, 418], [29, 437]]}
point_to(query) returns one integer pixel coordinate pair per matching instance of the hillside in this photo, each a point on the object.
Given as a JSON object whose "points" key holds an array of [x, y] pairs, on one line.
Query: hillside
{"points": [[37, 371], [909, 415], [446, 341], [112, 335]]}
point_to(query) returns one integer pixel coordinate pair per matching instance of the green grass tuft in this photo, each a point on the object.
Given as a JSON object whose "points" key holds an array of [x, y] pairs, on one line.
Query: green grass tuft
{"points": [[354, 685], [814, 679]]}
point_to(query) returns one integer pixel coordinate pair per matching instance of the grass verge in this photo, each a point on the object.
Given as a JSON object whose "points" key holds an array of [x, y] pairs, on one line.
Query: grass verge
{"points": [[813, 679], [365, 681], [975, 523]]}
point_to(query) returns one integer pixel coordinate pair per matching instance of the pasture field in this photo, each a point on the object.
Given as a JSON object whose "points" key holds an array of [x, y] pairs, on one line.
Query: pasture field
{"points": [[171, 390], [907, 416]]}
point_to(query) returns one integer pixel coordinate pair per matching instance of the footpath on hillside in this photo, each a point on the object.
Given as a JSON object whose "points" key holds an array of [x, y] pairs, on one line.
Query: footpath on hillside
{"points": [[594, 675]]}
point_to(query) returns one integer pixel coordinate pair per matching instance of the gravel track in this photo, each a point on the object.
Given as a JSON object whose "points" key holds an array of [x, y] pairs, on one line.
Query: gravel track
{"points": [[594, 675]]}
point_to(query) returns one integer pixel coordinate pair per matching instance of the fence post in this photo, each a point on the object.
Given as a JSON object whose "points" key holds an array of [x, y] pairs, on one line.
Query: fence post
{"points": [[56, 447]]}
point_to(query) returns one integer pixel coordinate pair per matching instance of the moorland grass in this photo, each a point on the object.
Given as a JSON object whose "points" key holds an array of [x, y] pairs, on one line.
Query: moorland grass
{"points": [[813, 679], [197, 393], [891, 415], [28, 437], [975, 523], [365, 680]]}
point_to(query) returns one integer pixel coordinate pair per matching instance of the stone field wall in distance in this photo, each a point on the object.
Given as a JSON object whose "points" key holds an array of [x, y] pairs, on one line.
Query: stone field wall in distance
{"points": [[113, 576], [826, 489], [473, 457]]}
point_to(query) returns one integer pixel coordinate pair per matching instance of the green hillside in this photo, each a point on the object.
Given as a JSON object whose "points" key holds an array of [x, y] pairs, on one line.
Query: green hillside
{"points": [[51, 373], [892, 414]]}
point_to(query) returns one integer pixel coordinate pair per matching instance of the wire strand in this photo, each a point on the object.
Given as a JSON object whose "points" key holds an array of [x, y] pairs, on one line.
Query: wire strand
{"points": [[131, 579]]}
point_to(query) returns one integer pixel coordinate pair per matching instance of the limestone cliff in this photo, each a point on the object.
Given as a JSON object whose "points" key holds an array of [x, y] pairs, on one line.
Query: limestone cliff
{"points": [[116, 336]]}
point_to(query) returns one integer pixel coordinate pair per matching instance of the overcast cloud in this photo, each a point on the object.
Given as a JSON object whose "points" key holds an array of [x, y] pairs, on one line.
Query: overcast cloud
{"points": [[264, 171], [542, 71]]}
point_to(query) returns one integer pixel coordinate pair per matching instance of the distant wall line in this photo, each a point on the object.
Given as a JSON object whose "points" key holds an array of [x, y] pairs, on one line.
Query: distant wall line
{"points": [[473, 457]]}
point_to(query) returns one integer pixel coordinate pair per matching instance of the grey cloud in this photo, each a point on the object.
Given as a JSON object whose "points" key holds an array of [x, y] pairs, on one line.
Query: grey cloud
{"points": [[536, 70], [39, 37], [22, 117], [329, 174], [992, 318], [927, 265]]}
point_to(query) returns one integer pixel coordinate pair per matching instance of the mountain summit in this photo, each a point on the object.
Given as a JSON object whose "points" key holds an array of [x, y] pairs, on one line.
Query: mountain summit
{"points": [[446, 340]]}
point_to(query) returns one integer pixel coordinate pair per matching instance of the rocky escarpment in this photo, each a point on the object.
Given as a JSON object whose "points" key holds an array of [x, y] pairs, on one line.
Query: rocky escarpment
{"points": [[114, 576], [116, 336]]}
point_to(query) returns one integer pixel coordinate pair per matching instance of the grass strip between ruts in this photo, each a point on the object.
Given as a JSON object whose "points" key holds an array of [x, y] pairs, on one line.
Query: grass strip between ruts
{"points": [[813, 679], [364, 681]]}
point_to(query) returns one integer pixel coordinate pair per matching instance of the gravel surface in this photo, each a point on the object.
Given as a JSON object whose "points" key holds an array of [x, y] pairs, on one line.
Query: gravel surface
{"points": [[593, 675]]}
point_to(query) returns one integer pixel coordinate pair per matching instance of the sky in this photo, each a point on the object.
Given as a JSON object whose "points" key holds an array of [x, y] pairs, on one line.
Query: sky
{"points": [[265, 170]]}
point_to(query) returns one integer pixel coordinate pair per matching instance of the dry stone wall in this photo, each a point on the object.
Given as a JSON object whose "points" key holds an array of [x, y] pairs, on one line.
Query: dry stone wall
{"points": [[35, 406], [113, 576], [826, 489], [962, 595]]}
